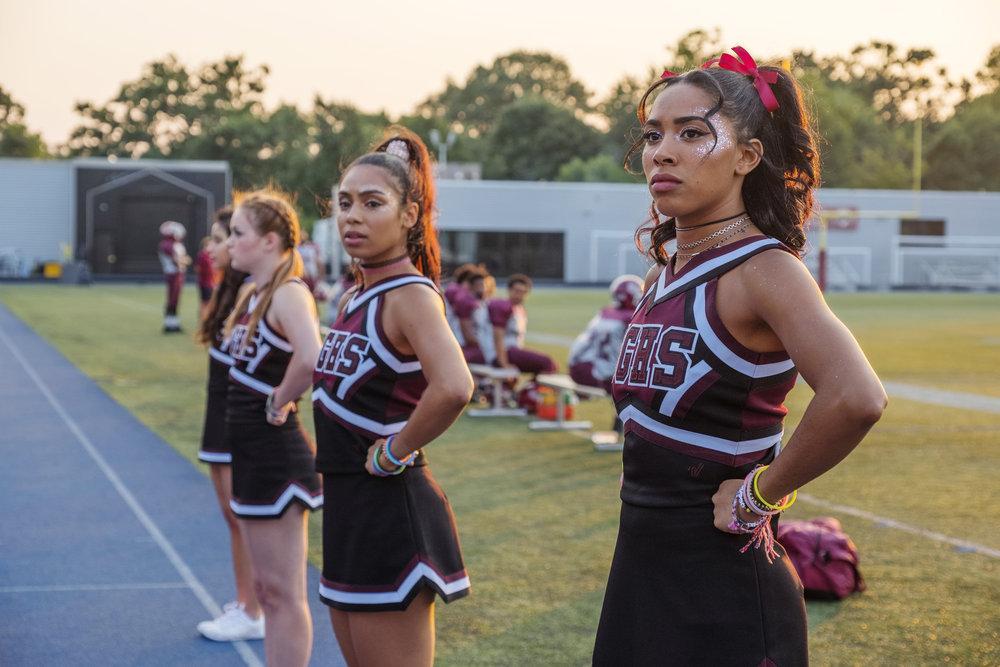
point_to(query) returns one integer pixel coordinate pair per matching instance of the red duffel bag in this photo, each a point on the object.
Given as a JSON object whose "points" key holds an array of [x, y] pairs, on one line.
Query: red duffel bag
{"points": [[824, 556]]}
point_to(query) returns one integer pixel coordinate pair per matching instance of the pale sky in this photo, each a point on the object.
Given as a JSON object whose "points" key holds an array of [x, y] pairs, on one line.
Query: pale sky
{"points": [[380, 54]]}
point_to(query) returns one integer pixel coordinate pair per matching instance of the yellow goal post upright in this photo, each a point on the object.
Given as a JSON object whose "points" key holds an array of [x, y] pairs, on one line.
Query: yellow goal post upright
{"points": [[850, 215]]}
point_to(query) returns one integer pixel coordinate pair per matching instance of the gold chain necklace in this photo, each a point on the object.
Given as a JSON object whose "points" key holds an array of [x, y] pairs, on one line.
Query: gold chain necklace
{"points": [[742, 220], [689, 255]]}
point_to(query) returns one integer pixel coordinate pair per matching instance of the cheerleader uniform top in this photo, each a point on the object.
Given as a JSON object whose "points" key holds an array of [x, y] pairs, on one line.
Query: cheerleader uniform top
{"points": [[258, 367], [685, 384], [363, 387], [219, 363]]}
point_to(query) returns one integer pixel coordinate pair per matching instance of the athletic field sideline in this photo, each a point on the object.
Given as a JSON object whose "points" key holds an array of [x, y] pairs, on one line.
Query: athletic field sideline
{"points": [[537, 512]]}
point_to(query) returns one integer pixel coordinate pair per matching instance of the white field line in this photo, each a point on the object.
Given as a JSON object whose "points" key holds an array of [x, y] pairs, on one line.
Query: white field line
{"points": [[950, 399], [72, 588], [963, 545], [244, 650]]}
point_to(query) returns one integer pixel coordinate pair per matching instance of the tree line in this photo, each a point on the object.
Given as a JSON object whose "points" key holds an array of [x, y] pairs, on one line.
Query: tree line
{"points": [[525, 116]]}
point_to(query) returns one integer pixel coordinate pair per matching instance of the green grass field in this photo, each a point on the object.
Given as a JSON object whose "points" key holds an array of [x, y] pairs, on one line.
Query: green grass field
{"points": [[538, 512]]}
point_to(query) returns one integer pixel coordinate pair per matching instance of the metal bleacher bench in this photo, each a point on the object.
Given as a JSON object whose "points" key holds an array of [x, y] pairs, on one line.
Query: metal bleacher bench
{"points": [[496, 376]]}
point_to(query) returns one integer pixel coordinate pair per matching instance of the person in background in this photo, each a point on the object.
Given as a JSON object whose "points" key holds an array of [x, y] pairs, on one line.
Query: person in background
{"points": [[312, 267], [208, 275], [509, 321], [174, 261], [594, 354], [242, 618]]}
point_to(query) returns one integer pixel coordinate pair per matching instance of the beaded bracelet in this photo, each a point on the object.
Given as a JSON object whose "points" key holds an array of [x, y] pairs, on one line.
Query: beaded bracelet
{"points": [[739, 524], [379, 470], [760, 531], [400, 463]]}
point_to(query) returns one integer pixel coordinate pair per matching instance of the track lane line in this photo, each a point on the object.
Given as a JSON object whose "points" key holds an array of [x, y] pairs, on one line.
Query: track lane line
{"points": [[185, 572]]}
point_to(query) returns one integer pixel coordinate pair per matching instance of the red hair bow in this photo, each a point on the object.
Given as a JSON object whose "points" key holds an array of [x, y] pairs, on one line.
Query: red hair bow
{"points": [[667, 74], [745, 64]]}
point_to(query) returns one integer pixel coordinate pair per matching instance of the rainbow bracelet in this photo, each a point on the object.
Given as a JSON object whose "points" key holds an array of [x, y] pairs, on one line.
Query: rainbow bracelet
{"points": [[400, 463]]}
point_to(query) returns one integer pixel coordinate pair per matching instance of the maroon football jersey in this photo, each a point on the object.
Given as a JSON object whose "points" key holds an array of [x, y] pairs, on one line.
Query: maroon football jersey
{"points": [[363, 388], [684, 383]]}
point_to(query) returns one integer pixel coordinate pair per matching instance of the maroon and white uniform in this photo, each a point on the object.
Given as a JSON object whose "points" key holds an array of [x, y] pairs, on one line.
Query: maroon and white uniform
{"points": [[454, 296], [683, 382], [698, 408], [171, 253], [594, 354], [273, 466], [384, 539], [513, 319], [213, 435]]}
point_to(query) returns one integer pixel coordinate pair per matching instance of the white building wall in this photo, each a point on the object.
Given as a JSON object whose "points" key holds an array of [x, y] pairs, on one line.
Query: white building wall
{"points": [[599, 221], [36, 208]]}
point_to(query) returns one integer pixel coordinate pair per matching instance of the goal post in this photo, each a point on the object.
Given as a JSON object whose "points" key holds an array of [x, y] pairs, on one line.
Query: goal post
{"points": [[850, 218]]}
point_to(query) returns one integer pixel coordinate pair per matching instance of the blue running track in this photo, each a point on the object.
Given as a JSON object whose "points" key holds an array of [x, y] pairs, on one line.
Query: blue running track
{"points": [[112, 547]]}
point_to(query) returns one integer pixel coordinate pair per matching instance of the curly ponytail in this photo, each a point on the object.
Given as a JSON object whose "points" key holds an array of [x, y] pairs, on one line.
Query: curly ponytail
{"points": [[414, 174], [779, 192]]}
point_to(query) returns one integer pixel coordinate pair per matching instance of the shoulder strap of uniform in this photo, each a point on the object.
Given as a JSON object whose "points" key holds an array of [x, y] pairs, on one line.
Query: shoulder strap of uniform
{"points": [[367, 295], [711, 269]]}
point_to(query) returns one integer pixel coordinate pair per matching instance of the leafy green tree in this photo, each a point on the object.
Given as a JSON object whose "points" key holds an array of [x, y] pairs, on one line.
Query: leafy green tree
{"points": [[900, 85], [169, 105], [533, 138], [16, 140], [602, 168], [858, 148], [963, 155], [473, 108]]}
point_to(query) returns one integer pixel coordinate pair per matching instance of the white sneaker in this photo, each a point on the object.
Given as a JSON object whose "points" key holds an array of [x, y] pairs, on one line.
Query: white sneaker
{"points": [[234, 625]]}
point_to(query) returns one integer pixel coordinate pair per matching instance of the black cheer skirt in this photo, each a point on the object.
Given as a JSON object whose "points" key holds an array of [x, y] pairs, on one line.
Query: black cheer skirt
{"points": [[214, 447], [681, 593], [273, 466], [387, 538]]}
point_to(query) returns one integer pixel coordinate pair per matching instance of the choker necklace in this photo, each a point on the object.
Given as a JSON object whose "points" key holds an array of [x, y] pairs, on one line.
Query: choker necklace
{"points": [[385, 263], [706, 224]]}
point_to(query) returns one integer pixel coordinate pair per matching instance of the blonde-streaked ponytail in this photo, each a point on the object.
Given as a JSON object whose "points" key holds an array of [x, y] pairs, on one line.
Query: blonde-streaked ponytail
{"points": [[270, 211]]}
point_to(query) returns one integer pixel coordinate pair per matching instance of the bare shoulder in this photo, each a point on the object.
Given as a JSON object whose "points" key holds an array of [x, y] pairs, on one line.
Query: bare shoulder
{"points": [[416, 297], [292, 290], [777, 279]]}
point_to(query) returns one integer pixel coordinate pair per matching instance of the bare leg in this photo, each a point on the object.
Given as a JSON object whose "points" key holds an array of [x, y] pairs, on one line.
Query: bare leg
{"points": [[392, 638], [278, 553], [222, 480], [340, 620]]}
